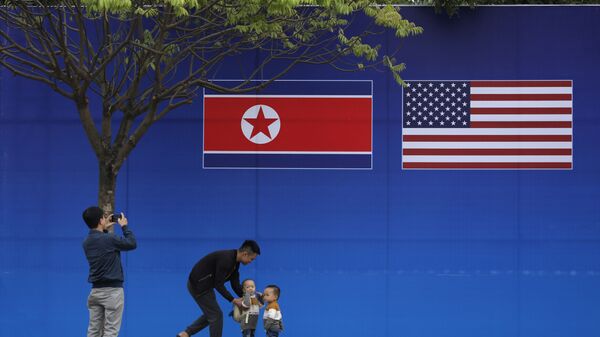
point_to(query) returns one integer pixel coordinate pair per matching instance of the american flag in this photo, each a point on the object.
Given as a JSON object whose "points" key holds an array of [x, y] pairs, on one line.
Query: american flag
{"points": [[487, 125]]}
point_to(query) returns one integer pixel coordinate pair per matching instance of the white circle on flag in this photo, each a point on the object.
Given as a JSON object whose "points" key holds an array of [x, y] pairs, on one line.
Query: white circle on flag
{"points": [[265, 120]]}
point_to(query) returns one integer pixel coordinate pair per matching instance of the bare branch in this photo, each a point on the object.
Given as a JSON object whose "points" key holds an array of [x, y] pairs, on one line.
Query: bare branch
{"points": [[146, 67]]}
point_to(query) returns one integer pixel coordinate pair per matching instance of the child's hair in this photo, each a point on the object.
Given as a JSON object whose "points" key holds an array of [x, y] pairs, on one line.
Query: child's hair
{"points": [[276, 290]]}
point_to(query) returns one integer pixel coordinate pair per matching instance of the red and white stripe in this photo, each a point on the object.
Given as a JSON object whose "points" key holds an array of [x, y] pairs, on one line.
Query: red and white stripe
{"points": [[514, 125]]}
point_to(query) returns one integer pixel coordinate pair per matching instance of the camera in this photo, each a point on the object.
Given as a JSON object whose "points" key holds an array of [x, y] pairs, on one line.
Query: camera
{"points": [[115, 217]]}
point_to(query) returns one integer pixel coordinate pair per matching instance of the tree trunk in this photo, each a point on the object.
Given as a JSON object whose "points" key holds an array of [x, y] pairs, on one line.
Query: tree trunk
{"points": [[107, 187]]}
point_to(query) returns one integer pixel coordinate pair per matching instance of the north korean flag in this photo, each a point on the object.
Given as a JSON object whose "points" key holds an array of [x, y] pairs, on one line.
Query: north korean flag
{"points": [[290, 124]]}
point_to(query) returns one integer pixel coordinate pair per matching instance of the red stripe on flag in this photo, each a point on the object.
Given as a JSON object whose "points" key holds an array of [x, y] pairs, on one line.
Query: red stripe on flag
{"points": [[487, 138], [521, 84], [521, 97], [486, 152], [487, 165], [307, 124], [521, 124], [521, 111]]}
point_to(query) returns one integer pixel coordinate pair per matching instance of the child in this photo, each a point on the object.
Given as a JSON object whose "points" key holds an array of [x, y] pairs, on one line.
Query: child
{"points": [[272, 317], [251, 308]]}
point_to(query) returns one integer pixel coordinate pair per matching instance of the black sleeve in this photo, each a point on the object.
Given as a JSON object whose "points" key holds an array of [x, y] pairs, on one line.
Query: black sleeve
{"points": [[223, 270], [235, 283]]}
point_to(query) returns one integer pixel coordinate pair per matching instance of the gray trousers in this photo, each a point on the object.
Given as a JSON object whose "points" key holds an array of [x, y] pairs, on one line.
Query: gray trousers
{"points": [[212, 314], [106, 309]]}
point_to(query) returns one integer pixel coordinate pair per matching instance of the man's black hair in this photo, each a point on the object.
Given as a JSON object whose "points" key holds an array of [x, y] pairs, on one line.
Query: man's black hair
{"points": [[276, 289], [250, 246], [92, 216]]}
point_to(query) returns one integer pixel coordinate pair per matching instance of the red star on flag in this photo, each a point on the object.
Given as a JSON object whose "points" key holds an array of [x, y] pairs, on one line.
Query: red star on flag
{"points": [[260, 124]]}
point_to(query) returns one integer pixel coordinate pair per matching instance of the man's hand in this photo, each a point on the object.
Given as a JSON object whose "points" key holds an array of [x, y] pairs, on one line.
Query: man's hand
{"points": [[238, 302], [122, 220]]}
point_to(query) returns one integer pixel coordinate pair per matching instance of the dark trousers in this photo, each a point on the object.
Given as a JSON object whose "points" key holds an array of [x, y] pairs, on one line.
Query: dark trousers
{"points": [[272, 333], [248, 333], [212, 314]]}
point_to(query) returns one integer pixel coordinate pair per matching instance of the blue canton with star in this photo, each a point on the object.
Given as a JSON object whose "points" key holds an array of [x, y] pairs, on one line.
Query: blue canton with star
{"points": [[436, 104]]}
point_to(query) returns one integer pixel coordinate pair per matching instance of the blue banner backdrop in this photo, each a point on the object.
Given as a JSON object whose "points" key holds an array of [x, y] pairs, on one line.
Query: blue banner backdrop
{"points": [[380, 252]]}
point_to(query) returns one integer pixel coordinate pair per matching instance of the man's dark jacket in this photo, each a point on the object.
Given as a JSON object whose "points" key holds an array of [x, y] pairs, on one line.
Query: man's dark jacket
{"points": [[213, 270], [103, 252]]}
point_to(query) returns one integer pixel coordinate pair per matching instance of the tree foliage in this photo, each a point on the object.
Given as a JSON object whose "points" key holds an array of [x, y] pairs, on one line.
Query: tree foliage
{"points": [[452, 7], [142, 59]]}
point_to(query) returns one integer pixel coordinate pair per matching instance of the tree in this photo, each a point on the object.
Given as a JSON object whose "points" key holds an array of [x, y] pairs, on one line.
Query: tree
{"points": [[452, 7], [141, 59]]}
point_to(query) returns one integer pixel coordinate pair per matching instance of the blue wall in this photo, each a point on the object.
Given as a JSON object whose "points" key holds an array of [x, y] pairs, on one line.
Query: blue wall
{"points": [[384, 252]]}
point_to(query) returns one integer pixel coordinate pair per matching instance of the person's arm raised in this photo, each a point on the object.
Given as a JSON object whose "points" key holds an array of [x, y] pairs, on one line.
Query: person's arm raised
{"points": [[223, 270], [128, 241]]}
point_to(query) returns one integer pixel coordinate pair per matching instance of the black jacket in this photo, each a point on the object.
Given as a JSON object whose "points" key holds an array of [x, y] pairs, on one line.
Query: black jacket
{"points": [[103, 252], [213, 270]]}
